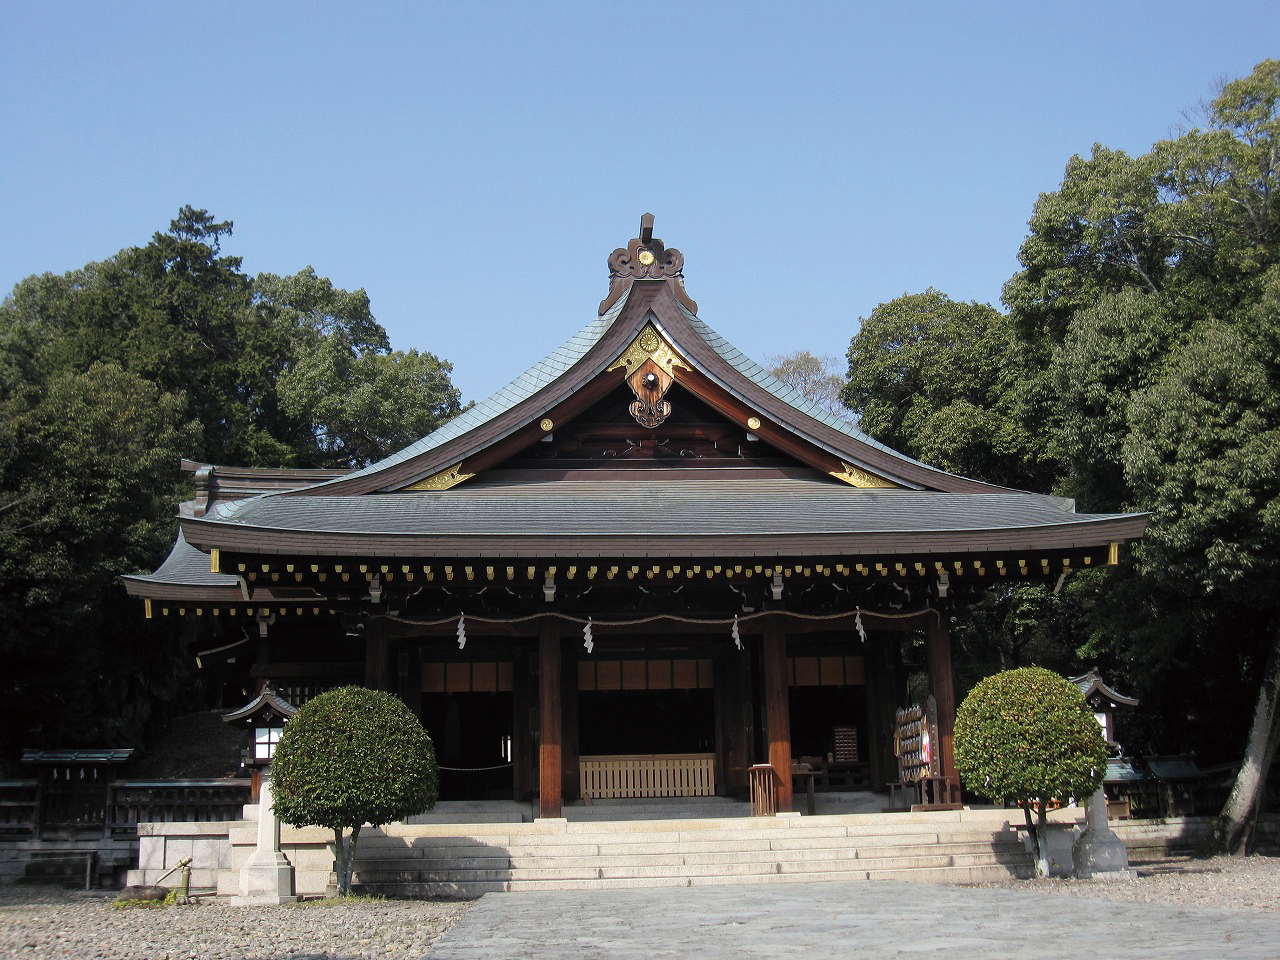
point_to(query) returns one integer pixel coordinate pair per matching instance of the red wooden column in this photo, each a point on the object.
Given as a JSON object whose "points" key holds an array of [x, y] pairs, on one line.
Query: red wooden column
{"points": [[938, 643], [777, 716], [550, 763]]}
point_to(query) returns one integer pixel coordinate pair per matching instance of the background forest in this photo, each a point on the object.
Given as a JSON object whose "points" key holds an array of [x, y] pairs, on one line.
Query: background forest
{"points": [[1134, 367]]}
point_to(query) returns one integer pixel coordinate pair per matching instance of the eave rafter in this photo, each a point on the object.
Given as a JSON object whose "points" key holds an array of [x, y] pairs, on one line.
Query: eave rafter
{"points": [[329, 586]]}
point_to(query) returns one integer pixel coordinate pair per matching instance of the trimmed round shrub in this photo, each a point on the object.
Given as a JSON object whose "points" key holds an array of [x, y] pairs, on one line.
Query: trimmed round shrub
{"points": [[1028, 734], [353, 756]]}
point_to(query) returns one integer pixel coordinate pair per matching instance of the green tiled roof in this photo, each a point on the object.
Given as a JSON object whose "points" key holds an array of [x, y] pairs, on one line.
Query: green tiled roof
{"points": [[603, 508], [186, 566], [541, 374]]}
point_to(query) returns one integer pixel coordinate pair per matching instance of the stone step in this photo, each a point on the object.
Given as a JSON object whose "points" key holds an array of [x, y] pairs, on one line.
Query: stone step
{"points": [[436, 860], [970, 853], [470, 889], [381, 875], [624, 843], [757, 846]]}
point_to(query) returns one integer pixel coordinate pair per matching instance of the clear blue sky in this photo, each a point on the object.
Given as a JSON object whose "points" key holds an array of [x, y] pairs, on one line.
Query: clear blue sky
{"points": [[471, 165]]}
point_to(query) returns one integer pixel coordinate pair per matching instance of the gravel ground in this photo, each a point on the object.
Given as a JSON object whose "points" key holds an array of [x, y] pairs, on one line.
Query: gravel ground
{"points": [[1237, 883], [48, 923]]}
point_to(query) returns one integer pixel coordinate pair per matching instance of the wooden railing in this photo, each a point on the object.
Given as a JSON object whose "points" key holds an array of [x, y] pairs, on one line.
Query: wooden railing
{"points": [[175, 801], [27, 809], [17, 808], [647, 775]]}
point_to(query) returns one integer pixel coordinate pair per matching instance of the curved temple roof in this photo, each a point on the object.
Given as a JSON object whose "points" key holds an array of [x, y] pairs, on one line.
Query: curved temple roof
{"points": [[452, 493]]}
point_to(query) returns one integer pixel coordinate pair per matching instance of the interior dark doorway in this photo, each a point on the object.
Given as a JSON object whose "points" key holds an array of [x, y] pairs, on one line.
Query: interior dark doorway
{"points": [[472, 736], [646, 722], [818, 712]]}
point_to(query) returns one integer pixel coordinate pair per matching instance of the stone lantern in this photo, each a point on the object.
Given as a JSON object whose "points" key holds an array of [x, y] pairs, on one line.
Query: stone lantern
{"points": [[267, 876]]}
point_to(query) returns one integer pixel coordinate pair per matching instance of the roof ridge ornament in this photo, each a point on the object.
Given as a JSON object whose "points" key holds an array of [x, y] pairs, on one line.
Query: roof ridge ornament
{"points": [[646, 258]]}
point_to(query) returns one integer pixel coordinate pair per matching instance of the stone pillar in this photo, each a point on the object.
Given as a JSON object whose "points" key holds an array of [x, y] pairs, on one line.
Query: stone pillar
{"points": [[1099, 852], [777, 710], [550, 760], [267, 876], [938, 642]]}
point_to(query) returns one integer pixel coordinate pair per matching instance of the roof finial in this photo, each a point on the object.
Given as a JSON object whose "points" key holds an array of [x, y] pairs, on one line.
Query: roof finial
{"points": [[645, 258]]}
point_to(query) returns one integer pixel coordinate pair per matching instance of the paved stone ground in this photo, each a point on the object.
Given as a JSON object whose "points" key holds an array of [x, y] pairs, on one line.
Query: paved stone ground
{"points": [[1203, 909], [1208, 909]]}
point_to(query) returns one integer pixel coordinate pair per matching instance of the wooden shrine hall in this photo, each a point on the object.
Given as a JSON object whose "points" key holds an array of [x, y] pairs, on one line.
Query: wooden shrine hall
{"points": [[643, 568]]}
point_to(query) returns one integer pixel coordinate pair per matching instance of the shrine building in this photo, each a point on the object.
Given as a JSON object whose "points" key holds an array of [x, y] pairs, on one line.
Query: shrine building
{"points": [[643, 568]]}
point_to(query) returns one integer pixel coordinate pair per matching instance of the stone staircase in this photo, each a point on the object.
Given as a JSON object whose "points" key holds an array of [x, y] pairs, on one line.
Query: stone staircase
{"points": [[439, 860]]}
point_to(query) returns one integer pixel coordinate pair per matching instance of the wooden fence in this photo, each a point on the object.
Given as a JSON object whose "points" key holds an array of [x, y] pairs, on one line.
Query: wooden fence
{"points": [[647, 775], [28, 809]]}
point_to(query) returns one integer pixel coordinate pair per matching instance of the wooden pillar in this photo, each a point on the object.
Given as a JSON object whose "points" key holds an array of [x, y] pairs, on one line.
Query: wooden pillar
{"points": [[377, 657], [881, 700], [777, 709], [569, 775], [523, 724], [409, 681], [265, 657], [938, 643], [733, 738], [550, 760]]}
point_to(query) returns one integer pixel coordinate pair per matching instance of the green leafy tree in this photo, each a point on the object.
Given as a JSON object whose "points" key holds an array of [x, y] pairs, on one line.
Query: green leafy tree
{"points": [[1027, 736], [936, 379], [108, 376], [1205, 449], [349, 757], [88, 470], [263, 363], [341, 396], [1149, 291]]}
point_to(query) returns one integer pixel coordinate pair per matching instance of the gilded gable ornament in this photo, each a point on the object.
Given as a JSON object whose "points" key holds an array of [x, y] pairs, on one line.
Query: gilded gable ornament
{"points": [[861, 478], [650, 370], [442, 480]]}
